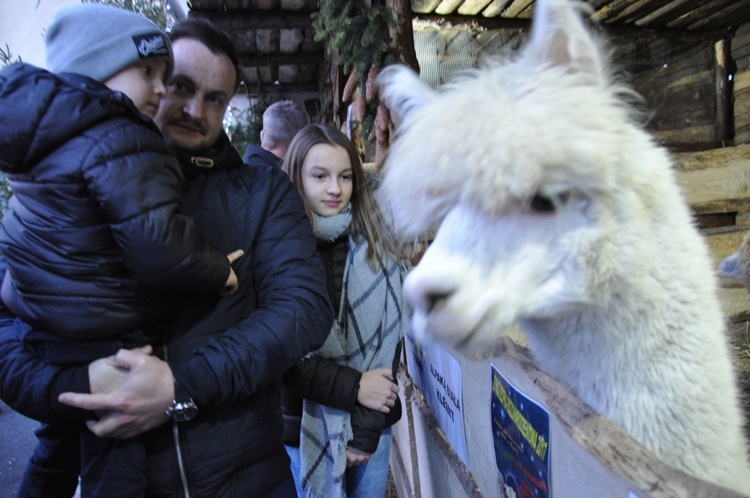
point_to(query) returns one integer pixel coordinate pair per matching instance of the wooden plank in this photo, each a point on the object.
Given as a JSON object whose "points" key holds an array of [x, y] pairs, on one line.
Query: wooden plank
{"points": [[710, 159], [246, 20], [639, 9], [677, 65], [292, 5], [612, 11], [288, 73], [700, 12], [741, 46], [472, 7], [247, 61], [516, 7], [290, 40], [424, 6], [205, 5], [715, 220], [401, 34], [724, 242], [742, 80], [734, 302], [736, 13], [495, 7], [683, 137], [448, 7], [717, 180], [267, 41], [723, 104], [666, 13], [265, 4]]}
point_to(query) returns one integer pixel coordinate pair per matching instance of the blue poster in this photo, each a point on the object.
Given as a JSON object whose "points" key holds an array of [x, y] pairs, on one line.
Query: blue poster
{"points": [[520, 432]]}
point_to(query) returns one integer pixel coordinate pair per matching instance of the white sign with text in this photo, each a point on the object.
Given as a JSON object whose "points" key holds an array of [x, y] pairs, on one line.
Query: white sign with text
{"points": [[437, 375]]}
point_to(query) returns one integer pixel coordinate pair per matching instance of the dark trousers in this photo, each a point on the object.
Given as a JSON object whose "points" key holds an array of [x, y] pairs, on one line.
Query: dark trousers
{"points": [[108, 467]]}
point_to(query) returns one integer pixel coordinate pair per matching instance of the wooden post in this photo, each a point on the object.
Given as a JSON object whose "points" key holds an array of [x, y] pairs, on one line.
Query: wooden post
{"points": [[402, 35], [724, 129]]}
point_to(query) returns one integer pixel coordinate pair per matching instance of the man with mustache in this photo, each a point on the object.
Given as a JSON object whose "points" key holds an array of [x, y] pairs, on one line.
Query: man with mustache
{"points": [[217, 377]]}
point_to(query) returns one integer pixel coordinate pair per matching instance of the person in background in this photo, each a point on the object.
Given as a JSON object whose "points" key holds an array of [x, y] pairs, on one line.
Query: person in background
{"points": [[344, 448], [208, 403], [281, 121], [92, 236]]}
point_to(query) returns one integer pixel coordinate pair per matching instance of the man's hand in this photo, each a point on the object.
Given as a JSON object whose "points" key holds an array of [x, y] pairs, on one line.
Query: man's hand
{"points": [[356, 457], [377, 391], [138, 405]]}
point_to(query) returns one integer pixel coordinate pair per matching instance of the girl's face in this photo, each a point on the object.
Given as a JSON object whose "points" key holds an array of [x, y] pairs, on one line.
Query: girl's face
{"points": [[327, 179]]}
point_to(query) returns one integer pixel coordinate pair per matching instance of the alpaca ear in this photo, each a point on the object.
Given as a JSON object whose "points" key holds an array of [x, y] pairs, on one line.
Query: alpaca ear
{"points": [[559, 37], [402, 91]]}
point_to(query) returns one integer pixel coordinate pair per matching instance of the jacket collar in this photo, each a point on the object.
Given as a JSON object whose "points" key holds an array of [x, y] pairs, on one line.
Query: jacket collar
{"points": [[221, 156]]}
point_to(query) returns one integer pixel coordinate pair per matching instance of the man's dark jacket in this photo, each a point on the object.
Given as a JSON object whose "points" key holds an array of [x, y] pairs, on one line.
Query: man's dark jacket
{"points": [[92, 228], [256, 155], [228, 353]]}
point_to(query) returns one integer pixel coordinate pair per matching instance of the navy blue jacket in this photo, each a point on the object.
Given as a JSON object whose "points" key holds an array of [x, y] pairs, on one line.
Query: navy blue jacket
{"points": [[229, 353], [93, 228], [255, 155]]}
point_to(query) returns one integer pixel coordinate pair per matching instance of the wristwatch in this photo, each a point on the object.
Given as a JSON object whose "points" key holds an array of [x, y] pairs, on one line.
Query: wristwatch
{"points": [[183, 407]]}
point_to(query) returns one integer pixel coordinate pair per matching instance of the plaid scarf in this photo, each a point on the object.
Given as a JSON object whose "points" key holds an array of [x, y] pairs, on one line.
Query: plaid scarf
{"points": [[364, 336]]}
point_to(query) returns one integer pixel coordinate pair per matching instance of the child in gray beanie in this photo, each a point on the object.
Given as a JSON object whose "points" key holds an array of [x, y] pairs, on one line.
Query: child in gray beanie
{"points": [[92, 237]]}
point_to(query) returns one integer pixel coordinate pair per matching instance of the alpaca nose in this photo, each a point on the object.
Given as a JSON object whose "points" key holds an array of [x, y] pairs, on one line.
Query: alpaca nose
{"points": [[427, 292]]}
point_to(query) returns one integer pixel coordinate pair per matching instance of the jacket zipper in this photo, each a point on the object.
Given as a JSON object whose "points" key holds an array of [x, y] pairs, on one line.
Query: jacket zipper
{"points": [[177, 448]]}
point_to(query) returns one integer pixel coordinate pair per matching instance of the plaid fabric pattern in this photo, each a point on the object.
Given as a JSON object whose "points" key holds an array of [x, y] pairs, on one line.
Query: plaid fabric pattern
{"points": [[364, 336]]}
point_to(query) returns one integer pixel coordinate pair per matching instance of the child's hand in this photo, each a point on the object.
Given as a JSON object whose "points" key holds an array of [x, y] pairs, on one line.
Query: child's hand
{"points": [[232, 284], [104, 377]]}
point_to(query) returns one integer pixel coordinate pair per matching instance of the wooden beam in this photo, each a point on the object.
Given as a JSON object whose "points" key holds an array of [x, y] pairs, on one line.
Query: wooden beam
{"points": [[715, 181], [611, 29], [472, 7], [722, 60], [249, 60], [724, 241], [246, 20], [402, 34], [282, 88]]}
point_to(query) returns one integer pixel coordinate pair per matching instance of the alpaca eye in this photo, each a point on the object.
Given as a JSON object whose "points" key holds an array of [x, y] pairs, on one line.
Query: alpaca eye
{"points": [[542, 203]]}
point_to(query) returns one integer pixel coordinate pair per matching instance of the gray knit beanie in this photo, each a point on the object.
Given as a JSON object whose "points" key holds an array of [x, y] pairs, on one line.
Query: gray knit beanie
{"points": [[99, 41]]}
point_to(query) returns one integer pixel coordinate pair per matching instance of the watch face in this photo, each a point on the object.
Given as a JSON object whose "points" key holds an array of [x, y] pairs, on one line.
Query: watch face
{"points": [[184, 411]]}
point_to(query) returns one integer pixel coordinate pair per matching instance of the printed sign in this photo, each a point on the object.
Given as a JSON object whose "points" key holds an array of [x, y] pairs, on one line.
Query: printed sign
{"points": [[437, 375], [520, 432]]}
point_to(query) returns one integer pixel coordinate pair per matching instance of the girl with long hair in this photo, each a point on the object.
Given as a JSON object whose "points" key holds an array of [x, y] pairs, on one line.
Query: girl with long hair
{"points": [[344, 446]]}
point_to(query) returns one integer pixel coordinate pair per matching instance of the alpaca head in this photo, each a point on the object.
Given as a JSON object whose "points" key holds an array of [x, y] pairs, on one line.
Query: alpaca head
{"points": [[527, 168]]}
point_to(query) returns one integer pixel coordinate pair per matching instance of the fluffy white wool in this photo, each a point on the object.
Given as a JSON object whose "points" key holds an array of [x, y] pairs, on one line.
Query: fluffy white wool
{"points": [[614, 288]]}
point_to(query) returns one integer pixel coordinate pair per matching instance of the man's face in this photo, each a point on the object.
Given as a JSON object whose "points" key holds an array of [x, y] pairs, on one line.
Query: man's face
{"points": [[191, 113]]}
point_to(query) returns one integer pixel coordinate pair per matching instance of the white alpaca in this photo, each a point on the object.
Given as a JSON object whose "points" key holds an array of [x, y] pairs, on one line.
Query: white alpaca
{"points": [[556, 211]]}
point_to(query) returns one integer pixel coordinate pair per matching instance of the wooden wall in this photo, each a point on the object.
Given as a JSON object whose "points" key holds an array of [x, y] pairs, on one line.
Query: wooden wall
{"points": [[697, 98], [741, 57]]}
